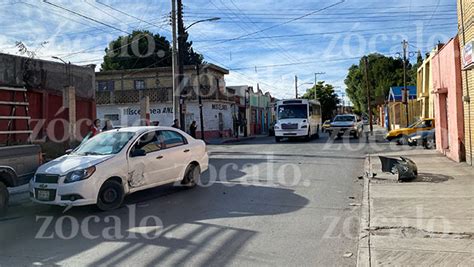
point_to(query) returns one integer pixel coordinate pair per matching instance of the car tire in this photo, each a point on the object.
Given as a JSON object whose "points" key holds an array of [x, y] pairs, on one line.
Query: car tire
{"points": [[192, 175], [111, 195], [4, 196], [430, 144], [277, 139]]}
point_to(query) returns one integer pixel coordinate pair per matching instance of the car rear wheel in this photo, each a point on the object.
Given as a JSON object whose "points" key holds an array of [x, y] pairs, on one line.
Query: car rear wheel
{"points": [[111, 195], [3, 199], [192, 175]]}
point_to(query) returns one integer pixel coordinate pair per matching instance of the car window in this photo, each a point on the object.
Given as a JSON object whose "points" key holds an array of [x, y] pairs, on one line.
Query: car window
{"points": [[172, 139], [149, 142]]}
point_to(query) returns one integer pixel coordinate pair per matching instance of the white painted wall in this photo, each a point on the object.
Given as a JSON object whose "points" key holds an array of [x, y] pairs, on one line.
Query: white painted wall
{"points": [[129, 115]]}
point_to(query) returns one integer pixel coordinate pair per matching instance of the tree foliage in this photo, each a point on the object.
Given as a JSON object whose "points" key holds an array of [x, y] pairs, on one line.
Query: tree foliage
{"points": [[143, 49], [383, 73], [327, 97]]}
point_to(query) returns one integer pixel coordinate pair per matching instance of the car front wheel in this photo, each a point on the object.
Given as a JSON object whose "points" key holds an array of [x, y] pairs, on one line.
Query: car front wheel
{"points": [[192, 175], [111, 195], [3, 199]]}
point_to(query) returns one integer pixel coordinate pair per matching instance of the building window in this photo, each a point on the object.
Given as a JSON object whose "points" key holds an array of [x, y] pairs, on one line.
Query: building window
{"points": [[111, 117], [105, 85], [139, 84]]}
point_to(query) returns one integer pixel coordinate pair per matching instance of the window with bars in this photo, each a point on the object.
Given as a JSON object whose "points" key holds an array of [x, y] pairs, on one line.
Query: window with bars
{"points": [[139, 84]]}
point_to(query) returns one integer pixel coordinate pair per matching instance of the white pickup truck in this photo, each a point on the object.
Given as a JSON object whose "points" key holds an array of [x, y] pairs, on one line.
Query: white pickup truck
{"points": [[17, 166]]}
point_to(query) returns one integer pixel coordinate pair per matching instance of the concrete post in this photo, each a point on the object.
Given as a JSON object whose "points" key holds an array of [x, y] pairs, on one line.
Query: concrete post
{"points": [[145, 110], [69, 102]]}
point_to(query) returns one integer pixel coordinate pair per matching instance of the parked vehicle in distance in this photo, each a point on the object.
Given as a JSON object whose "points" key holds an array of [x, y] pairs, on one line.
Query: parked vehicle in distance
{"points": [[17, 166], [326, 125], [401, 135], [347, 124], [297, 118], [365, 121], [115, 163], [427, 139]]}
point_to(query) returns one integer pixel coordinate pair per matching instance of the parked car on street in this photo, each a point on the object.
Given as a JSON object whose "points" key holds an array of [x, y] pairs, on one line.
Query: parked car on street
{"points": [[326, 125], [427, 139], [401, 135], [347, 124], [115, 163], [17, 166]]}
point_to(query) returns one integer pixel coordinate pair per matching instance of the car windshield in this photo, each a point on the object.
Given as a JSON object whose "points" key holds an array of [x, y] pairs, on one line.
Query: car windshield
{"points": [[106, 143], [292, 112], [344, 118]]}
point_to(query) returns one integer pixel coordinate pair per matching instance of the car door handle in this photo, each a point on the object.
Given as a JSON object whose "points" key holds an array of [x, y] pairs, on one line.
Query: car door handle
{"points": [[186, 150], [159, 157]]}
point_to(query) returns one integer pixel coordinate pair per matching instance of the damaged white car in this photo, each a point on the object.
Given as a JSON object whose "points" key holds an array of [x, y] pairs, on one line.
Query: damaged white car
{"points": [[115, 163]]}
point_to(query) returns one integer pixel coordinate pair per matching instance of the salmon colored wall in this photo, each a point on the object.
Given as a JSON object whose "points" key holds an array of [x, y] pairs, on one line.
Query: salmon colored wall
{"points": [[447, 86]]}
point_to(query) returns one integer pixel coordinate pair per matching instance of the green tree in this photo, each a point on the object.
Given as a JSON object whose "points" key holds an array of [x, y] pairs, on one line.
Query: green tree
{"points": [[383, 73], [327, 97], [143, 49]]}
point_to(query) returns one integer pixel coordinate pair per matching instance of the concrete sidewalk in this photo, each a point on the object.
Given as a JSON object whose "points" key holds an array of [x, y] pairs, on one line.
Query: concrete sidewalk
{"points": [[425, 222], [230, 140]]}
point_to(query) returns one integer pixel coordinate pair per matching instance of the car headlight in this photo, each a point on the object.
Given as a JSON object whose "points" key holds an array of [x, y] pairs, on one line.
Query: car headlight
{"points": [[304, 126], [277, 127], [78, 175]]}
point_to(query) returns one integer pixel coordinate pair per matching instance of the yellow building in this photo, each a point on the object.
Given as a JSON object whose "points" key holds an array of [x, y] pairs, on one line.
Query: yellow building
{"points": [[466, 37], [425, 87]]}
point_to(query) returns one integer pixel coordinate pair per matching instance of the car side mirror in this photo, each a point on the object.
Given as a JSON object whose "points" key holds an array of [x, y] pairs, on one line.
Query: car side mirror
{"points": [[138, 153]]}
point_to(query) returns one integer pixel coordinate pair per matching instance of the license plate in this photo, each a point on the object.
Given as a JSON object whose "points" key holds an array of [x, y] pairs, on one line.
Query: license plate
{"points": [[43, 194]]}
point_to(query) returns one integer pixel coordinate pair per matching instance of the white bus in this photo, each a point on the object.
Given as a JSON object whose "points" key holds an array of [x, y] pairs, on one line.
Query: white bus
{"points": [[297, 118]]}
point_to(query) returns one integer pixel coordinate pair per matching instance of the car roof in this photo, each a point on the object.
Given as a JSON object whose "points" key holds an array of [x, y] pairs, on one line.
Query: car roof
{"points": [[142, 129]]}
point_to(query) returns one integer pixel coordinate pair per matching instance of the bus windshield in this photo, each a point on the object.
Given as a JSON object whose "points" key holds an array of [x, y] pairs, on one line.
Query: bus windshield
{"points": [[292, 112]]}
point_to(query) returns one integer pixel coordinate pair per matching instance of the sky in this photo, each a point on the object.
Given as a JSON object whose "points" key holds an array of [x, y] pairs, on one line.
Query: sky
{"points": [[263, 42]]}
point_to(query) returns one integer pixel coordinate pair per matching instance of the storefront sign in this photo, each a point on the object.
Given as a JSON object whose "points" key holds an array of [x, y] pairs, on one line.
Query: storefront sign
{"points": [[467, 59], [219, 106]]}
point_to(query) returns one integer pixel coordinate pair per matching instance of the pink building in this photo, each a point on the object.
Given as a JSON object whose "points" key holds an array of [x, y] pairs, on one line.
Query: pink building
{"points": [[447, 87]]}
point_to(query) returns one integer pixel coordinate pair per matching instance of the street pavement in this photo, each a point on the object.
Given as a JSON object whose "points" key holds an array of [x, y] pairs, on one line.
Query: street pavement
{"points": [[260, 204]]}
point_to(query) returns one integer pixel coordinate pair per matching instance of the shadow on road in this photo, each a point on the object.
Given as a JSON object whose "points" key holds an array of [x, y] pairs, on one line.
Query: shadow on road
{"points": [[188, 237]]}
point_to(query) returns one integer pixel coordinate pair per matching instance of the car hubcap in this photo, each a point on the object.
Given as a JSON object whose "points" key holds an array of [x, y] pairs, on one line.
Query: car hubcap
{"points": [[109, 196]]}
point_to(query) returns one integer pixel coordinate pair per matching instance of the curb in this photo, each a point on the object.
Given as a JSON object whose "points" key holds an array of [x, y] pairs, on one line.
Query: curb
{"points": [[238, 140], [363, 250]]}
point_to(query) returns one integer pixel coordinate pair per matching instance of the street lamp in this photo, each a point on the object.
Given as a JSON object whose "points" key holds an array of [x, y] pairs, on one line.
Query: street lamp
{"points": [[182, 35], [202, 20], [68, 68]]}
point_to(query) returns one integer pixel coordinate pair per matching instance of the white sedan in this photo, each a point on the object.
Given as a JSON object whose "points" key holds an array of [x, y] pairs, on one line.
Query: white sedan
{"points": [[118, 162]]}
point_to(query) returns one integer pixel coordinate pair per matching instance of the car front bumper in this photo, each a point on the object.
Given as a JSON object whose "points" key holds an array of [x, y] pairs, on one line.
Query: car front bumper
{"points": [[73, 194], [291, 133], [342, 130]]}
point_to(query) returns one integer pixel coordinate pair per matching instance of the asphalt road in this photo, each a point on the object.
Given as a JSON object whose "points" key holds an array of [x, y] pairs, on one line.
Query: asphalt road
{"points": [[261, 203]]}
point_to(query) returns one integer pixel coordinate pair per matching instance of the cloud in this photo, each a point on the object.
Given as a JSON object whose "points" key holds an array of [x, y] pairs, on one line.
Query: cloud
{"points": [[332, 39]]}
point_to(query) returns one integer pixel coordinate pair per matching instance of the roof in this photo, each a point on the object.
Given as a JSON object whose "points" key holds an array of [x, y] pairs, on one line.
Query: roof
{"points": [[164, 69], [395, 93]]}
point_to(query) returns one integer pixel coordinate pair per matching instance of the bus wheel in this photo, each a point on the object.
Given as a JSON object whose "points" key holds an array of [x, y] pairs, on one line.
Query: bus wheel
{"points": [[317, 134]]}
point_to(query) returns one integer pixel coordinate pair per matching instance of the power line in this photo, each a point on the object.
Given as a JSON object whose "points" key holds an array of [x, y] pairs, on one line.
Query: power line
{"points": [[84, 16], [132, 16], [286, 22]]}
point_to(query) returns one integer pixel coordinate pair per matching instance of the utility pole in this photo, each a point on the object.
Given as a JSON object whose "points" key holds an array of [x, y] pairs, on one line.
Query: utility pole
{"points": [[296, 86], [405, 89], [201, 117], [176, 95], [181, 44], [369, 102], [316, 82]]}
